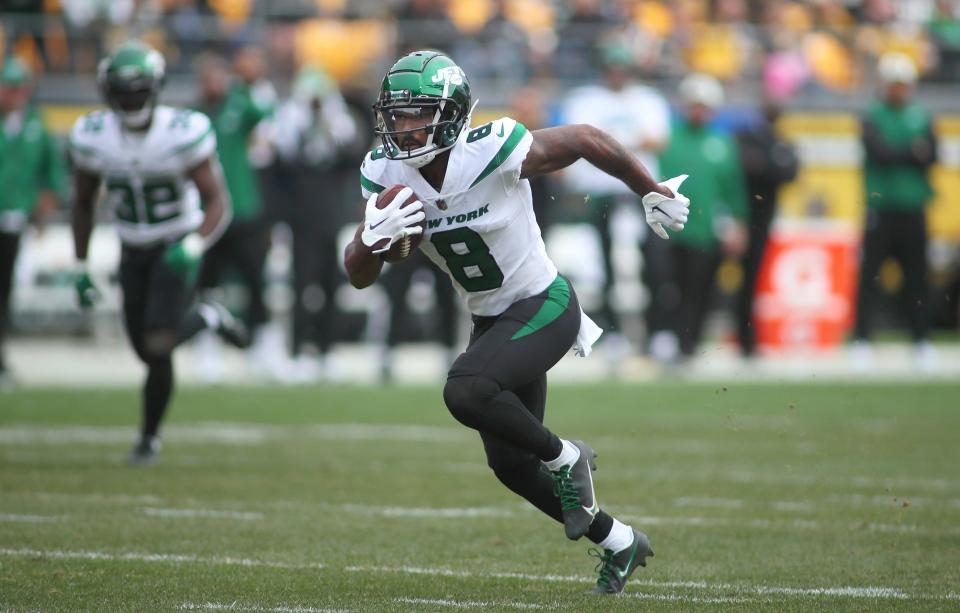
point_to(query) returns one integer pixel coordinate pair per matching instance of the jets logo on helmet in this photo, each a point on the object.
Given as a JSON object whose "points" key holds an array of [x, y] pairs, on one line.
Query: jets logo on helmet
{"points": [[452, 74], [423, 93], [130, 81]]}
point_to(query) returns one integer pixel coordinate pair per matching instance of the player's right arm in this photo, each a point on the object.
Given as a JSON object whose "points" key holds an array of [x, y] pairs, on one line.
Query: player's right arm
{"points": [[381, 228], [362, 264]]}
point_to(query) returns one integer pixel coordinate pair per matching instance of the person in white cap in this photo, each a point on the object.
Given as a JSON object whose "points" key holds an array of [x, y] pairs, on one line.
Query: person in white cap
{"points": [[716, 224], [899, 147]]}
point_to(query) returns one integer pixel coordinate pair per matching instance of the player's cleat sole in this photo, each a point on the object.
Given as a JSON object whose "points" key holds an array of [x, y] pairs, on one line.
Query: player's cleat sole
{"points": [[616, 567], [229, 328], [145, 452], [574, 486]]}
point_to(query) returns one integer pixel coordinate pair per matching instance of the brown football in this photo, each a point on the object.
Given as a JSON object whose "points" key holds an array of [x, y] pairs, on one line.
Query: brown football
{"points": [[401, 249]]}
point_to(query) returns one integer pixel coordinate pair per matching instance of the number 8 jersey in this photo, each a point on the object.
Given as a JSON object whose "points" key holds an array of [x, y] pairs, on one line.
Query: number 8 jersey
{"points": [[145, 173], [480, 226]]}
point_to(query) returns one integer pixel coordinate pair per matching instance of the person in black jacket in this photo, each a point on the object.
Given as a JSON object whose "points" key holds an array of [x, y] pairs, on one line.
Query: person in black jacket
{"points": [[768, 163]]}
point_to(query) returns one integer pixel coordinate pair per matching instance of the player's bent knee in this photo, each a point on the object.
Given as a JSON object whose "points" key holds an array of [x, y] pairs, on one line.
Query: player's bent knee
{"points": [[467, 396], [158, 345]]}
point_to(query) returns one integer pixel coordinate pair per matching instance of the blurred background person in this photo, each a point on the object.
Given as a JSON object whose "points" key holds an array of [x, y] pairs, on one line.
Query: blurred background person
{"points": [[718, 207], [32, 179], [768, 162], [639, 118], [236, 106], [900, 148], [314, 135], [418, 273]]}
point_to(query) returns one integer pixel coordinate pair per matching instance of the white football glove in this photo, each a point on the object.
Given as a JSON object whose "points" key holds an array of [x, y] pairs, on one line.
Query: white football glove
{"points": [[662, 211], [391, 222]]}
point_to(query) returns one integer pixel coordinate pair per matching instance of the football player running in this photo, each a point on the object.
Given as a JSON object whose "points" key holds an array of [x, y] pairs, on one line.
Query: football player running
{"points": [[156, 164], [480, 228]]}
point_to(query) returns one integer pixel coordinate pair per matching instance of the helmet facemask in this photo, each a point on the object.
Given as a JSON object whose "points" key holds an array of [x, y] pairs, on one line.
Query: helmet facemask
{"points": [[441, 119], [131, 90]]}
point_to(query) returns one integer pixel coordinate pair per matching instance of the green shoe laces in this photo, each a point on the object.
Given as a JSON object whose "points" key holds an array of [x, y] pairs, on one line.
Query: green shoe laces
{"points": [[564, 490], [605, 566]]}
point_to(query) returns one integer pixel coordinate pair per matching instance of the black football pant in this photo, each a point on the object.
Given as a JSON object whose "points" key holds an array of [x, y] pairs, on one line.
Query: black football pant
{"points": [[695, 270], [762, 211], [396, 283], [600, 209], [902, 235], [243, 247], [158, 315], [316, 276], [9, 246], [498, 387]]}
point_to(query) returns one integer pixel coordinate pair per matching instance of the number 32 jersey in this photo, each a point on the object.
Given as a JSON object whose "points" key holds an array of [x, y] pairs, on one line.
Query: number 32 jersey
{"points": [[480, 226], [145, 174]]}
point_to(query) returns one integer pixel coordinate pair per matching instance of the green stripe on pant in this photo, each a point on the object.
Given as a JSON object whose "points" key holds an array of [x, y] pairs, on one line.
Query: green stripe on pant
{"points": [[558, 299]]}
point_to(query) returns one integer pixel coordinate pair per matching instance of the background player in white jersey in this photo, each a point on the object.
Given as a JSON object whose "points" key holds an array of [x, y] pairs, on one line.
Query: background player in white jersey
{"points": [[156, 164], [480, 228]]}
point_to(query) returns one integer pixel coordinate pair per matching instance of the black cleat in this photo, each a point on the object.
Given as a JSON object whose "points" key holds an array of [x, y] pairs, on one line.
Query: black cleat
{"points": [[616, 567], [573, 485], [145, 452], [229, 328]]}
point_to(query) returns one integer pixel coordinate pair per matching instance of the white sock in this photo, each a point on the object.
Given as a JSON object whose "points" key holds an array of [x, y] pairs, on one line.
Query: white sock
{"points": [[620, 537], [209, 315], [568, 456]]}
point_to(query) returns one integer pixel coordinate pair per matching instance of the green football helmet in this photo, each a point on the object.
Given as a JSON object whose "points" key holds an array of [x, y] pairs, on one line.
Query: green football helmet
{"points": [[130, 81], [425, 88]]}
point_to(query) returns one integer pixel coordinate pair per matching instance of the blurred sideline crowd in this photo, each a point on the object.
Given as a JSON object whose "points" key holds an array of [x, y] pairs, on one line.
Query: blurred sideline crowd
{"points": [[790, 46], [291, 145]]}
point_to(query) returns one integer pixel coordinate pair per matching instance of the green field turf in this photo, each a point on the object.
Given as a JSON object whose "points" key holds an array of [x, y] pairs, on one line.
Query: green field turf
{"points": [[756, 497]]}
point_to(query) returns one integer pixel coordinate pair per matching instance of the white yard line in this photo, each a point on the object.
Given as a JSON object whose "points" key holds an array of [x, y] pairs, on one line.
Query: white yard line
{"points": [[203, 513], [30, 519], [150, 557], [400, 512], [469, 604], [236, 606], [232, 433], [874, 592]]}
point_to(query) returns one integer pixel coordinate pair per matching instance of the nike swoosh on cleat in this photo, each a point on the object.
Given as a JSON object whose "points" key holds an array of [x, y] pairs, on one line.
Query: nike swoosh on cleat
{"points": [[592, 510], [623, 575], [500, 133]]}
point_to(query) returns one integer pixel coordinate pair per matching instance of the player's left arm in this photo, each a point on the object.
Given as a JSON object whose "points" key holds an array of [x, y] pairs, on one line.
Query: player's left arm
{"points": [[561, 146], [217, 208]]}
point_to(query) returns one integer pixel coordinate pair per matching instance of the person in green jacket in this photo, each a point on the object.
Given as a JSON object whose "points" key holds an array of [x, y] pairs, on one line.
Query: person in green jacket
{"points": [[32, 177], [899, 148], [236, 107], [715, 226]]}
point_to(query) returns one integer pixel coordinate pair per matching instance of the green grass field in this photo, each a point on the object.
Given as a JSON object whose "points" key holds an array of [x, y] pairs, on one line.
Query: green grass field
{"points": [[756, 497]]}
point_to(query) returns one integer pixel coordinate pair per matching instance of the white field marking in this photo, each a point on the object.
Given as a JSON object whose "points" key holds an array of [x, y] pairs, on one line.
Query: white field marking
{"points": [[692, 599], [773, 524], [151, 557], [232, 434], [905, 484], [204, 513], [236, 606], [745, 589], [421, 512], [720, 503], [399, 512], [30, 519], [792, 506], [469, 604]]}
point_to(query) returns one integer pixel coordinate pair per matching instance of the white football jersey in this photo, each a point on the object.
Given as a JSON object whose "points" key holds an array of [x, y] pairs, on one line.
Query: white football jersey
{"points": [[145, 173], [480, 226]]}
